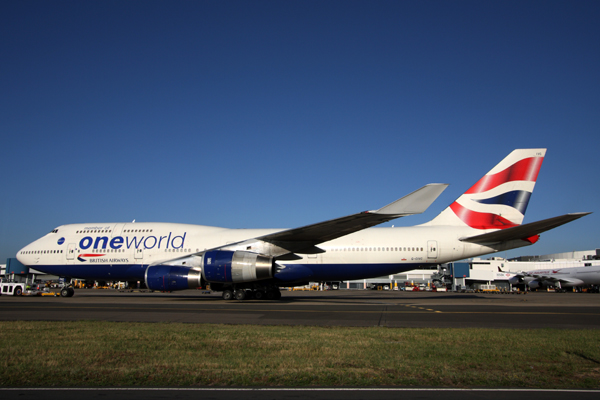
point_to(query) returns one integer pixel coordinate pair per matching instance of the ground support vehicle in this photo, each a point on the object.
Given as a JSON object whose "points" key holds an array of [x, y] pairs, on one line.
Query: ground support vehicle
{"points": [[12, 288]]}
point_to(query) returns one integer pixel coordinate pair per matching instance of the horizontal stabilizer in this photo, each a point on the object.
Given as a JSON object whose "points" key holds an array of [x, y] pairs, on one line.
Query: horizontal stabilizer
{"points": [[524, 231]]}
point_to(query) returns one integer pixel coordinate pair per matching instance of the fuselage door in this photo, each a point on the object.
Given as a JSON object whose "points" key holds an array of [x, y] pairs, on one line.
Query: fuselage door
{"points": [[139, 254], [71, 251], [118, 228], [432, 249]]}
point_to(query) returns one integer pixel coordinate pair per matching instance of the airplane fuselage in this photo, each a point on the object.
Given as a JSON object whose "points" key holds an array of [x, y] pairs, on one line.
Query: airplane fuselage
{"points": [[123, 251]]}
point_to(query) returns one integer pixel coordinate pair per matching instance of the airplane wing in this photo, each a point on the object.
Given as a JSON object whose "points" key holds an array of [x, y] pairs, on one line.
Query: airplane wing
{"points": [[542, 277], [524, 231], [554, 279], [303, 240], [282, 245]]}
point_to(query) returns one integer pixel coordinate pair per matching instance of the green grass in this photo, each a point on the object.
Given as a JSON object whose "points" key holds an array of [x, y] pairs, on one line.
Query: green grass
{"points": [[137, 354]]}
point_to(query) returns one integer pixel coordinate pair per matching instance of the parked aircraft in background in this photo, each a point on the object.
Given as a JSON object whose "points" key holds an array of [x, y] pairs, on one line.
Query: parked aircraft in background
{"points": [[487, 218], [558, 278]]}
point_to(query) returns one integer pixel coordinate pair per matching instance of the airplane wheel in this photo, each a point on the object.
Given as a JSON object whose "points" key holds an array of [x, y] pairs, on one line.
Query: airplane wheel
{"points": [[271, 295], [64, 292], [240, 294], [18, 291], [258, 295], [277, 295], [227, 295], [71, 292]]}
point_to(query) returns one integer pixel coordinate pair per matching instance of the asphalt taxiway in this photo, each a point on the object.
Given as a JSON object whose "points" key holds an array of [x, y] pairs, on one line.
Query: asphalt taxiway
{"points": [[393, 309]]}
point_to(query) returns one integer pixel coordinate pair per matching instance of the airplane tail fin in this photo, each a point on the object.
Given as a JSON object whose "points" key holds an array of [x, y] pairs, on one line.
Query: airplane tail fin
{"points": [[500, 198]]}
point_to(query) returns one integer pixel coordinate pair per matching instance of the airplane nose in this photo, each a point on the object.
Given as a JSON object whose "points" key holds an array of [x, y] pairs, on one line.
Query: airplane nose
{"points": [[21, 255], [25, 255]]}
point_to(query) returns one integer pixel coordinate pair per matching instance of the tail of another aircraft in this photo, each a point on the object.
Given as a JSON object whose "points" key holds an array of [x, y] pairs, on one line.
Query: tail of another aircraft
{"points": [[499, 199]]}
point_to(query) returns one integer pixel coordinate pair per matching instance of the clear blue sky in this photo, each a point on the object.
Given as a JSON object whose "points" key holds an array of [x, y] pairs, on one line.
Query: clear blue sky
{"points": [[277, 114]]}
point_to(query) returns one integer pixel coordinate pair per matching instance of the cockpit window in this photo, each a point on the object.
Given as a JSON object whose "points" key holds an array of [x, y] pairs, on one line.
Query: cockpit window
{"points": [[55, 231]]}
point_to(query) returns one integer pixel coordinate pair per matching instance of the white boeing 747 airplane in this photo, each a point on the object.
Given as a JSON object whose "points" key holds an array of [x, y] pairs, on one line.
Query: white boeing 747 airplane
{"points": [[239, 262]]}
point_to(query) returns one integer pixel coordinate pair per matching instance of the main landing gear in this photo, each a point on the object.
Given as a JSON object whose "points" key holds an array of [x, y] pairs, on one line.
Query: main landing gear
{"points": [[67, 291], [246, 294]]}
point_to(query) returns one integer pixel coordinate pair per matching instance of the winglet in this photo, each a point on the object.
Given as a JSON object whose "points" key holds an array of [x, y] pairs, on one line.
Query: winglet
{"points": [[414, 203]]}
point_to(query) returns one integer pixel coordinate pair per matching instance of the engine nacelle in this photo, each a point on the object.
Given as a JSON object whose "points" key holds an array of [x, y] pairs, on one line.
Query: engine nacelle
{"points": [[235, 266], [167, 278], [535, 284], [515, 280]]}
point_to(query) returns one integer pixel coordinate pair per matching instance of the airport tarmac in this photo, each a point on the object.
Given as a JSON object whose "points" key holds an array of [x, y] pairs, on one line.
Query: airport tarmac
{"points": [[392, 309]]}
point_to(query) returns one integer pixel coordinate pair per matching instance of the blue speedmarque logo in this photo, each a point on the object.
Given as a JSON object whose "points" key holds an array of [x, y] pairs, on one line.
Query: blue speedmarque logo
{"points": [[61, 240]]}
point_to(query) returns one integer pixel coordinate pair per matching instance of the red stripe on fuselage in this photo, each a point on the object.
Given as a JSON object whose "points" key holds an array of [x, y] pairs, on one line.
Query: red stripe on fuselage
{"points": [[524, 170]]}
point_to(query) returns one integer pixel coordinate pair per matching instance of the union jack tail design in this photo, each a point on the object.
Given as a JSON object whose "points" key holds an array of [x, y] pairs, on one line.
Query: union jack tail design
{"points": [[499, 199]]}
